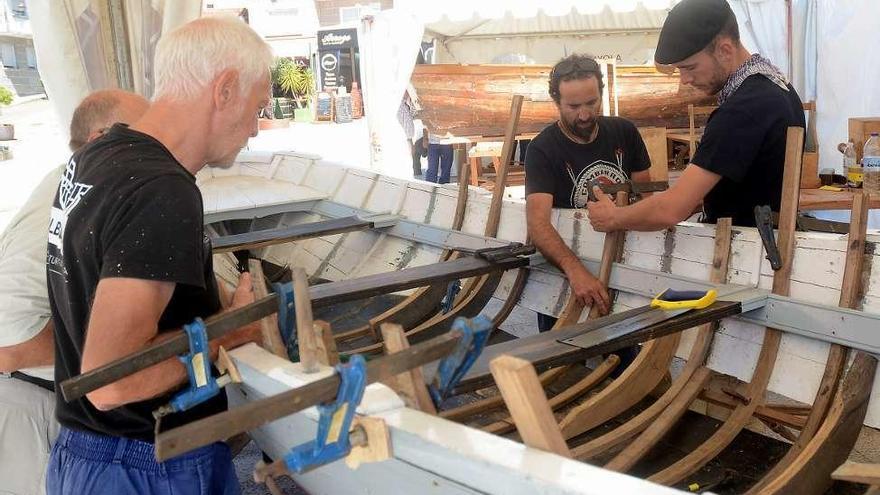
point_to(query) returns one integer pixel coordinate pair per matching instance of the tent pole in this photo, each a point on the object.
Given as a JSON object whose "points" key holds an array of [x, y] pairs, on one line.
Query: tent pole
{"points": [[119, 40]]}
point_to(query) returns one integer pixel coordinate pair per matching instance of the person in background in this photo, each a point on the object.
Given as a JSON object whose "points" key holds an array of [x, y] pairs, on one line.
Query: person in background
{"points": [[27, 395]]}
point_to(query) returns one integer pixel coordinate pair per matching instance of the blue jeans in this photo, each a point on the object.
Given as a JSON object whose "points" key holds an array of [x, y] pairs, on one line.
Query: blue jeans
{"points": [[85, 463], [439, 156]]}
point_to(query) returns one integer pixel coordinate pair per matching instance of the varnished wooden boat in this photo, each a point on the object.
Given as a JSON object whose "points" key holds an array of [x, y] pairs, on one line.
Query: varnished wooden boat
{"points": [[474, 100], [779, 384]]}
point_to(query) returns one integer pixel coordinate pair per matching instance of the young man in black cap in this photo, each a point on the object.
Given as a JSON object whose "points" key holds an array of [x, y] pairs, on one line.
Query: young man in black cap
{"points": [[581, 148], [739, 161]]}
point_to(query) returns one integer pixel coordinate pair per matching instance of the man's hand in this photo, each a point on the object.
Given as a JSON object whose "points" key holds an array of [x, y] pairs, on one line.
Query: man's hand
{"points": [[244, 293], [587, 288], [602, 212]]}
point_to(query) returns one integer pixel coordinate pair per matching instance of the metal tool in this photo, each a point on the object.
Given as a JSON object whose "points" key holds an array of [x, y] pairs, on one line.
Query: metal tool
{"points": [[474, 334], [202, 384], [332, 440], [664, 306], [452, 291], [764, 223], [496, 254], [633, 188]]}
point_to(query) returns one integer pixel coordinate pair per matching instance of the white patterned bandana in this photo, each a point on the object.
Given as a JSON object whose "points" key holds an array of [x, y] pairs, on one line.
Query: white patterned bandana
{"points": [[756, 64]]}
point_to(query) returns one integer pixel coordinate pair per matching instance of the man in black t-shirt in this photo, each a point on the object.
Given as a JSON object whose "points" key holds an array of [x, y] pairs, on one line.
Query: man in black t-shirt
{"points": [[128, 263], [740, 159], [580, 148]]}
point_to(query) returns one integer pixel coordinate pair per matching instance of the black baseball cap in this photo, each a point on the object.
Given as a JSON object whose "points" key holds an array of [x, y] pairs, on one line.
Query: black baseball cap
{"points": [[690, 26]]}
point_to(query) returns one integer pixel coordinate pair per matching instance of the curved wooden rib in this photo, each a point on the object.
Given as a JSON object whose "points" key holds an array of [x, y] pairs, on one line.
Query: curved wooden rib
{"points": [[417, 306], [671, 398], [836, 440], [767, 358], [586, 384], [481, 406], [627, 458], [638, 380], [470, 307]]}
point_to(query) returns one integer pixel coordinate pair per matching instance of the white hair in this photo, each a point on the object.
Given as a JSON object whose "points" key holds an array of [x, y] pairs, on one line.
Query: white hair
{"points": [[191, 56]]}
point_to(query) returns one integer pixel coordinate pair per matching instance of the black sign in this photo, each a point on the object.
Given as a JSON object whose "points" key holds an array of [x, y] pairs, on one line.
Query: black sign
{"points": [[338, 57], [337, 39]]}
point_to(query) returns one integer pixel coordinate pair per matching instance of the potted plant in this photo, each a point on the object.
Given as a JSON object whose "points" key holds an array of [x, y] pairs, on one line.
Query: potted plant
{"points": [[7, 131], [294, 87]]}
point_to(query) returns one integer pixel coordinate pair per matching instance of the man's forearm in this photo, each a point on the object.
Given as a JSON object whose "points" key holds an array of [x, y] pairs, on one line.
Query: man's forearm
{"points": [[552, 247], [647, 215]]}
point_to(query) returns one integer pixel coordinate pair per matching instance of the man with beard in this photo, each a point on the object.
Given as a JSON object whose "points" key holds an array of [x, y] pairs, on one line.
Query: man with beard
{"points": [[581, 147], [129, 264], [739, 162]]}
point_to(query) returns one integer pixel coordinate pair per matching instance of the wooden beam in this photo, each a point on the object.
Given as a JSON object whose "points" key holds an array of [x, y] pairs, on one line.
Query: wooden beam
{"points": [[527, 404], [858, 472], [326, 344], [269, 325], [410, 385], [270, 237], [305, 332], [507, 149]]}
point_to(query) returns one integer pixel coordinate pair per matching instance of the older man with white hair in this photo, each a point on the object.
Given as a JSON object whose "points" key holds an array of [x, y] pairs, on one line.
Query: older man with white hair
{"points": [[129, 263]]}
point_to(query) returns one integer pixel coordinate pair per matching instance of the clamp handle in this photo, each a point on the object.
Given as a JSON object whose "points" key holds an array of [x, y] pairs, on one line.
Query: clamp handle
{"points": [[671, 299], [474, 334], [332, 440]]}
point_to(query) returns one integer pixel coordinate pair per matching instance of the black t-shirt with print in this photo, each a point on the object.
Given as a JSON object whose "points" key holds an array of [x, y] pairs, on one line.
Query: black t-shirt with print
{"points": [[557, 165], [744, 143], [125, 208]]}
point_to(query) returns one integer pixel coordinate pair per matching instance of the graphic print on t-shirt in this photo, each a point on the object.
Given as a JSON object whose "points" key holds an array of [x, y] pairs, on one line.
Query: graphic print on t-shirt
{"points": [[69, 195], [601, 171]]}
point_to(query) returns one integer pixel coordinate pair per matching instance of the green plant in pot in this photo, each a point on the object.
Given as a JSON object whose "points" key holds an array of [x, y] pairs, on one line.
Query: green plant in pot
{"points": [[7, 131]]}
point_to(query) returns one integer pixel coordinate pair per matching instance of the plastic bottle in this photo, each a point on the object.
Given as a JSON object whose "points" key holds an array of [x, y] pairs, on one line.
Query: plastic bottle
{"points": [[851, 167], [871, 163]]}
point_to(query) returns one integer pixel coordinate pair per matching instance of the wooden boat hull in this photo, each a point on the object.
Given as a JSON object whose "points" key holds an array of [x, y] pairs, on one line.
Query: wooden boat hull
{"points": [[474, 100]]}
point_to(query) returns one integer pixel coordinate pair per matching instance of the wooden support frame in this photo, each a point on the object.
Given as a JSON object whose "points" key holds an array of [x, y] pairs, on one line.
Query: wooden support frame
{"points": [[828, 438], [674, 397], [269, 325], [525, 399], [410, 385], [767, 358], [308, 346]]}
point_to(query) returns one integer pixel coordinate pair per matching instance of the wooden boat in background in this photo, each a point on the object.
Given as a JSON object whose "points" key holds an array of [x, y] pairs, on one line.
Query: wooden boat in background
{"points": [[424, 222], [474, 100]]}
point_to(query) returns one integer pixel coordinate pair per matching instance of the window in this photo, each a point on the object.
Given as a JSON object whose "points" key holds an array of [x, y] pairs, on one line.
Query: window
{"points": [[31, 57], [7, 53], [354, 14]]}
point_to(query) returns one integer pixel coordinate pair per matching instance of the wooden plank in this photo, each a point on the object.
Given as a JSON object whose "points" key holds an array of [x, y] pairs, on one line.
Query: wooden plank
{"points": [[817, 199], [410, 385], [528, 405], [858, 472], [413, 310], [763, 412], [696, 359], [655, 143], [268, 325], [326, 344], [828, 438], [483, 405], [593, 378], [634, 452], [270, 237], [305, 332], [770, 348], [260, 412]]}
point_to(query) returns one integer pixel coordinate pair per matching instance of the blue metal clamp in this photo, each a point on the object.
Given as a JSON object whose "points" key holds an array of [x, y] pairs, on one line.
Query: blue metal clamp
{"points": [[474, 334], [332, 440], [286, 311], [202, 384], [452, 291]]}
